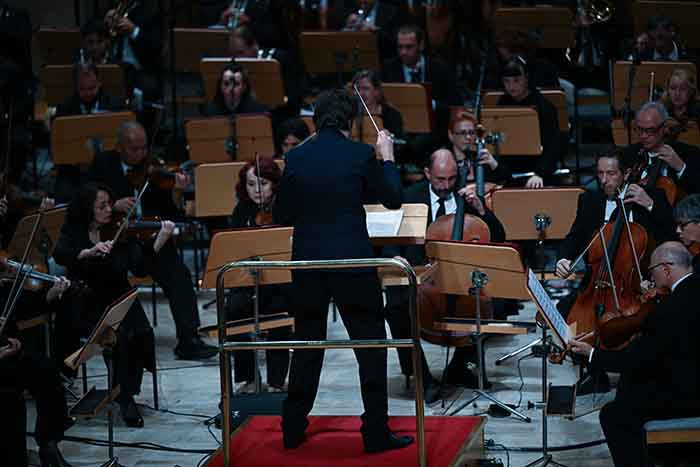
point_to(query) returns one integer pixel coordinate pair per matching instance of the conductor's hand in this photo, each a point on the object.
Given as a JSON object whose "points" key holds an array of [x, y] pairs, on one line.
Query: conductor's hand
{"points": [[124, 204], [3, 206], [12, 348], [563, 268], [57, 290], [385, 146], [534, 182], [472, 200], [637, 194], [580, 348]]}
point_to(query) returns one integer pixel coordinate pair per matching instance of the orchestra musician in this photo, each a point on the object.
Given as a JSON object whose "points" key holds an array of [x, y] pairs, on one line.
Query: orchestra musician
{"points": [[687, 213], [370, 88], [682, 160], [234, 94], [679, 97], [438, 191], [378, 16], [256, 192], [103, 265], [113, 168], [323, 201], [659, 370], [289, 134], [94, 43], [89, 96]]}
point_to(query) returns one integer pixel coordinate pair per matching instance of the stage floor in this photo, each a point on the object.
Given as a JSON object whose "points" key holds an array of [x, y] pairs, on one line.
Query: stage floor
{"points": [[193, 388]]}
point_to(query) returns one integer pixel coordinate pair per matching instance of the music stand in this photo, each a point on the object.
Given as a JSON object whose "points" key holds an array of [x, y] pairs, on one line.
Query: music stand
{"points": [[193, 44], [73, 139], [45, 239], [271, 244], [557, 97], [102, 339], [365, 132], [214, 139], [491, 270], [413, 101], [519, 125], [264, 74], [339, 52], [642, 79], [57, 46], [58, 85], [547, 27]]}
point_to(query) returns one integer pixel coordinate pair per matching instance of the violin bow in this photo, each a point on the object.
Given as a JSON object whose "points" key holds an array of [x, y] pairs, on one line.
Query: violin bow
{"points": [[257, 178], [629, 237], [125, 222]]}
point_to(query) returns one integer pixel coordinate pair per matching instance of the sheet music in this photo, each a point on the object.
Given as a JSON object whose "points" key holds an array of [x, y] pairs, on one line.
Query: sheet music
{"points": [[384, 223], [545, 304]]}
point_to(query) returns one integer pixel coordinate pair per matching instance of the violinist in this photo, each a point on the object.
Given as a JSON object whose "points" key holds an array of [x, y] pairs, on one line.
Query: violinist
{"points": [[370, 88], [687, 214], [234, 94], [660, 370], [103, 265], [289, 134], [89, 96], [113, 168], [256, 193], [680, 161], [438, 191]]}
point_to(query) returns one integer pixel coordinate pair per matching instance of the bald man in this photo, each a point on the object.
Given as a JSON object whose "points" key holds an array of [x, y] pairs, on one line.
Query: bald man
{"points": [[660, 370]]}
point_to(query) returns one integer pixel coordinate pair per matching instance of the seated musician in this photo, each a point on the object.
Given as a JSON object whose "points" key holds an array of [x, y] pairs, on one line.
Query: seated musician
{"points": [[438, 192], [89, 96], [370, 87], [114, 168], [21, 369], [103, 265], [234, 94], [256, 195], [662, 32], [687, 213], [680, 96], [659, 370], [462, 135], [289, 134], [682, 161], [518, 93], [94, 42], [377, 16]]}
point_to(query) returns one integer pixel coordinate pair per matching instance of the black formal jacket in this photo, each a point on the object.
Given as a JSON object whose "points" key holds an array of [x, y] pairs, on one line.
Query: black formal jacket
{"points": [[148, 45], [420, 193], [323, 188], [690, 181], [549, 130], [661, 368], [107, 168], [105, 101], [590, 215]]}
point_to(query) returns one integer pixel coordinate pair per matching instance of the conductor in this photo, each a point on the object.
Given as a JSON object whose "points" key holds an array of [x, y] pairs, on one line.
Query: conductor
{"points": [[321, 195]]}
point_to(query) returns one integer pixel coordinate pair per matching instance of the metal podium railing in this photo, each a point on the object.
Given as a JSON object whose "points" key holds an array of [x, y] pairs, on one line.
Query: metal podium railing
{"points": [[226, 347]]}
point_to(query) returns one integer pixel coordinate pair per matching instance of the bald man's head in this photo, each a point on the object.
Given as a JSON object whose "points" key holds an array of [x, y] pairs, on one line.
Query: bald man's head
{"points": [[669, 262], [442, 172], [132, 143]]}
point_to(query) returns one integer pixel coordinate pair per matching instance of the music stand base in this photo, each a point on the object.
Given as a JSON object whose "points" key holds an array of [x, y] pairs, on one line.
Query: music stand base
{"points": [[518, 351], [479, 393], [545, 460], [113, 462]]}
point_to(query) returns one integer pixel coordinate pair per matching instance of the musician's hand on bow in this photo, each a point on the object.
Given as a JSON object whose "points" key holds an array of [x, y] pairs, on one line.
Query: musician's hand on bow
{"points": [[646, 286], [486, 158], [385, 146], [125, 26], [637, 194], [668, 155], [166, 231], [57, 290], [124, 204], [563, 268], [12, 348], [100, 249], [534, 182], [580, 348], [3, 206], [472, 199]]}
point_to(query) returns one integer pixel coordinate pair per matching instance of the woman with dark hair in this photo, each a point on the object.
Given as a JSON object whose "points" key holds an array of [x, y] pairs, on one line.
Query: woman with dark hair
{"points": [[233, 93], [256, 190], [104, 266], [289, 134], [518, 93], [680, 96], [370, 87]]}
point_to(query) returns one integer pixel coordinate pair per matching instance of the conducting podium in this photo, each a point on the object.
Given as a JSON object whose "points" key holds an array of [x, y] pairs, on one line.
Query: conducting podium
{"points": [[223, 139], [264, 73]]}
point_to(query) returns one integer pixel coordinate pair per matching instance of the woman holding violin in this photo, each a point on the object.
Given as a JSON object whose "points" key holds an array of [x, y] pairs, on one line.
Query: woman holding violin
{"points": [[87, 248], [256, 190]]}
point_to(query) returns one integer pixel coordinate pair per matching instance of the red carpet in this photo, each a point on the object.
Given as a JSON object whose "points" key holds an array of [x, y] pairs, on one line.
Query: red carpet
{"points": [[337, 442]]}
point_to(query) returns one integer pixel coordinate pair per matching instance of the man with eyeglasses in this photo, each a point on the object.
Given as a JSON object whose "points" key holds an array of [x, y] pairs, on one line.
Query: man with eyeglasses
{"points": [[680, 161], [659, 370], [687, 214]]}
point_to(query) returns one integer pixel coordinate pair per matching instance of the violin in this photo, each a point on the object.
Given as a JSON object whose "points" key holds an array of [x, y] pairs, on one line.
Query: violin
{"points": [[142, 229], [37, 279], [156, 172]]}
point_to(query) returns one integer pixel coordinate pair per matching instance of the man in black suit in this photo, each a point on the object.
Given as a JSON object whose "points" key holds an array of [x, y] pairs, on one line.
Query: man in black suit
{"points": [[89, 97], [321, 195], [681, 162], [111, 168], [438, 191], [660, 370]]}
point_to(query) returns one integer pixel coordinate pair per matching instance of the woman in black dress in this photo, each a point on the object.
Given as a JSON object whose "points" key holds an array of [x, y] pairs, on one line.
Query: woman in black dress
{"points": [[104, 266], [256, 192]]}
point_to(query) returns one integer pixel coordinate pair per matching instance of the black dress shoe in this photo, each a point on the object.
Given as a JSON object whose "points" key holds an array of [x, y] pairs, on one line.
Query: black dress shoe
{"points": [[130, 412], [50, 456], [385, 442], [195, 349], [293, 440]]}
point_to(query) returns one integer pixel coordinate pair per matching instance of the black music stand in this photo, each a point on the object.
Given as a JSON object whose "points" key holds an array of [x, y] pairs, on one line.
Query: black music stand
{"points": [[332, 52]]}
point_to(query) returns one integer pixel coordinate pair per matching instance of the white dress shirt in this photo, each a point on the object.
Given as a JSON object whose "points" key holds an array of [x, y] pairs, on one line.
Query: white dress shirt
{"points": [[450, 204]]}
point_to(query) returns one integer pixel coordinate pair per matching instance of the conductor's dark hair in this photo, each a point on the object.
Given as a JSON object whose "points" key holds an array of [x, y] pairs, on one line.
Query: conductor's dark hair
{"points": [[93, 26], [292, 126], [334, 109], [81, 210], [688, 209]]}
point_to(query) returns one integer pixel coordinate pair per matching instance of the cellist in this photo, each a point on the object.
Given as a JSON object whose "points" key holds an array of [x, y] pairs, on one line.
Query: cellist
{"points": [[687, 214], [646, 206]]}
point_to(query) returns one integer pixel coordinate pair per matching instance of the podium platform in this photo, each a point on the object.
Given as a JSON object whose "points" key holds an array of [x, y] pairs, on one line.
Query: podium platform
{"points": [[336, 440]]}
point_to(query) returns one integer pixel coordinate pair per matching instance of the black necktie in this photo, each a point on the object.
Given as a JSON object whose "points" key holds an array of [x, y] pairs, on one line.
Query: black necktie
{"points": [[441, 209], [415, 76]]}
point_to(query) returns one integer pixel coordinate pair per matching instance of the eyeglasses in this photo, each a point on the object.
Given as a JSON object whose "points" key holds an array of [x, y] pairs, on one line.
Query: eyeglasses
{"points": [[651, 268], [465, 133], [647, 131]]}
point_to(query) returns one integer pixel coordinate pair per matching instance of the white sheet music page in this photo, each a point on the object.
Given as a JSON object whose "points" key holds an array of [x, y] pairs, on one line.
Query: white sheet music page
{"points": [[384, 223], [546, 306]]}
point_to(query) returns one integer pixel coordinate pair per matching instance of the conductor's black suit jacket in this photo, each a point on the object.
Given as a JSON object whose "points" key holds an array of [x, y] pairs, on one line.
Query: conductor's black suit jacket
{"points": [[322, 191]]}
